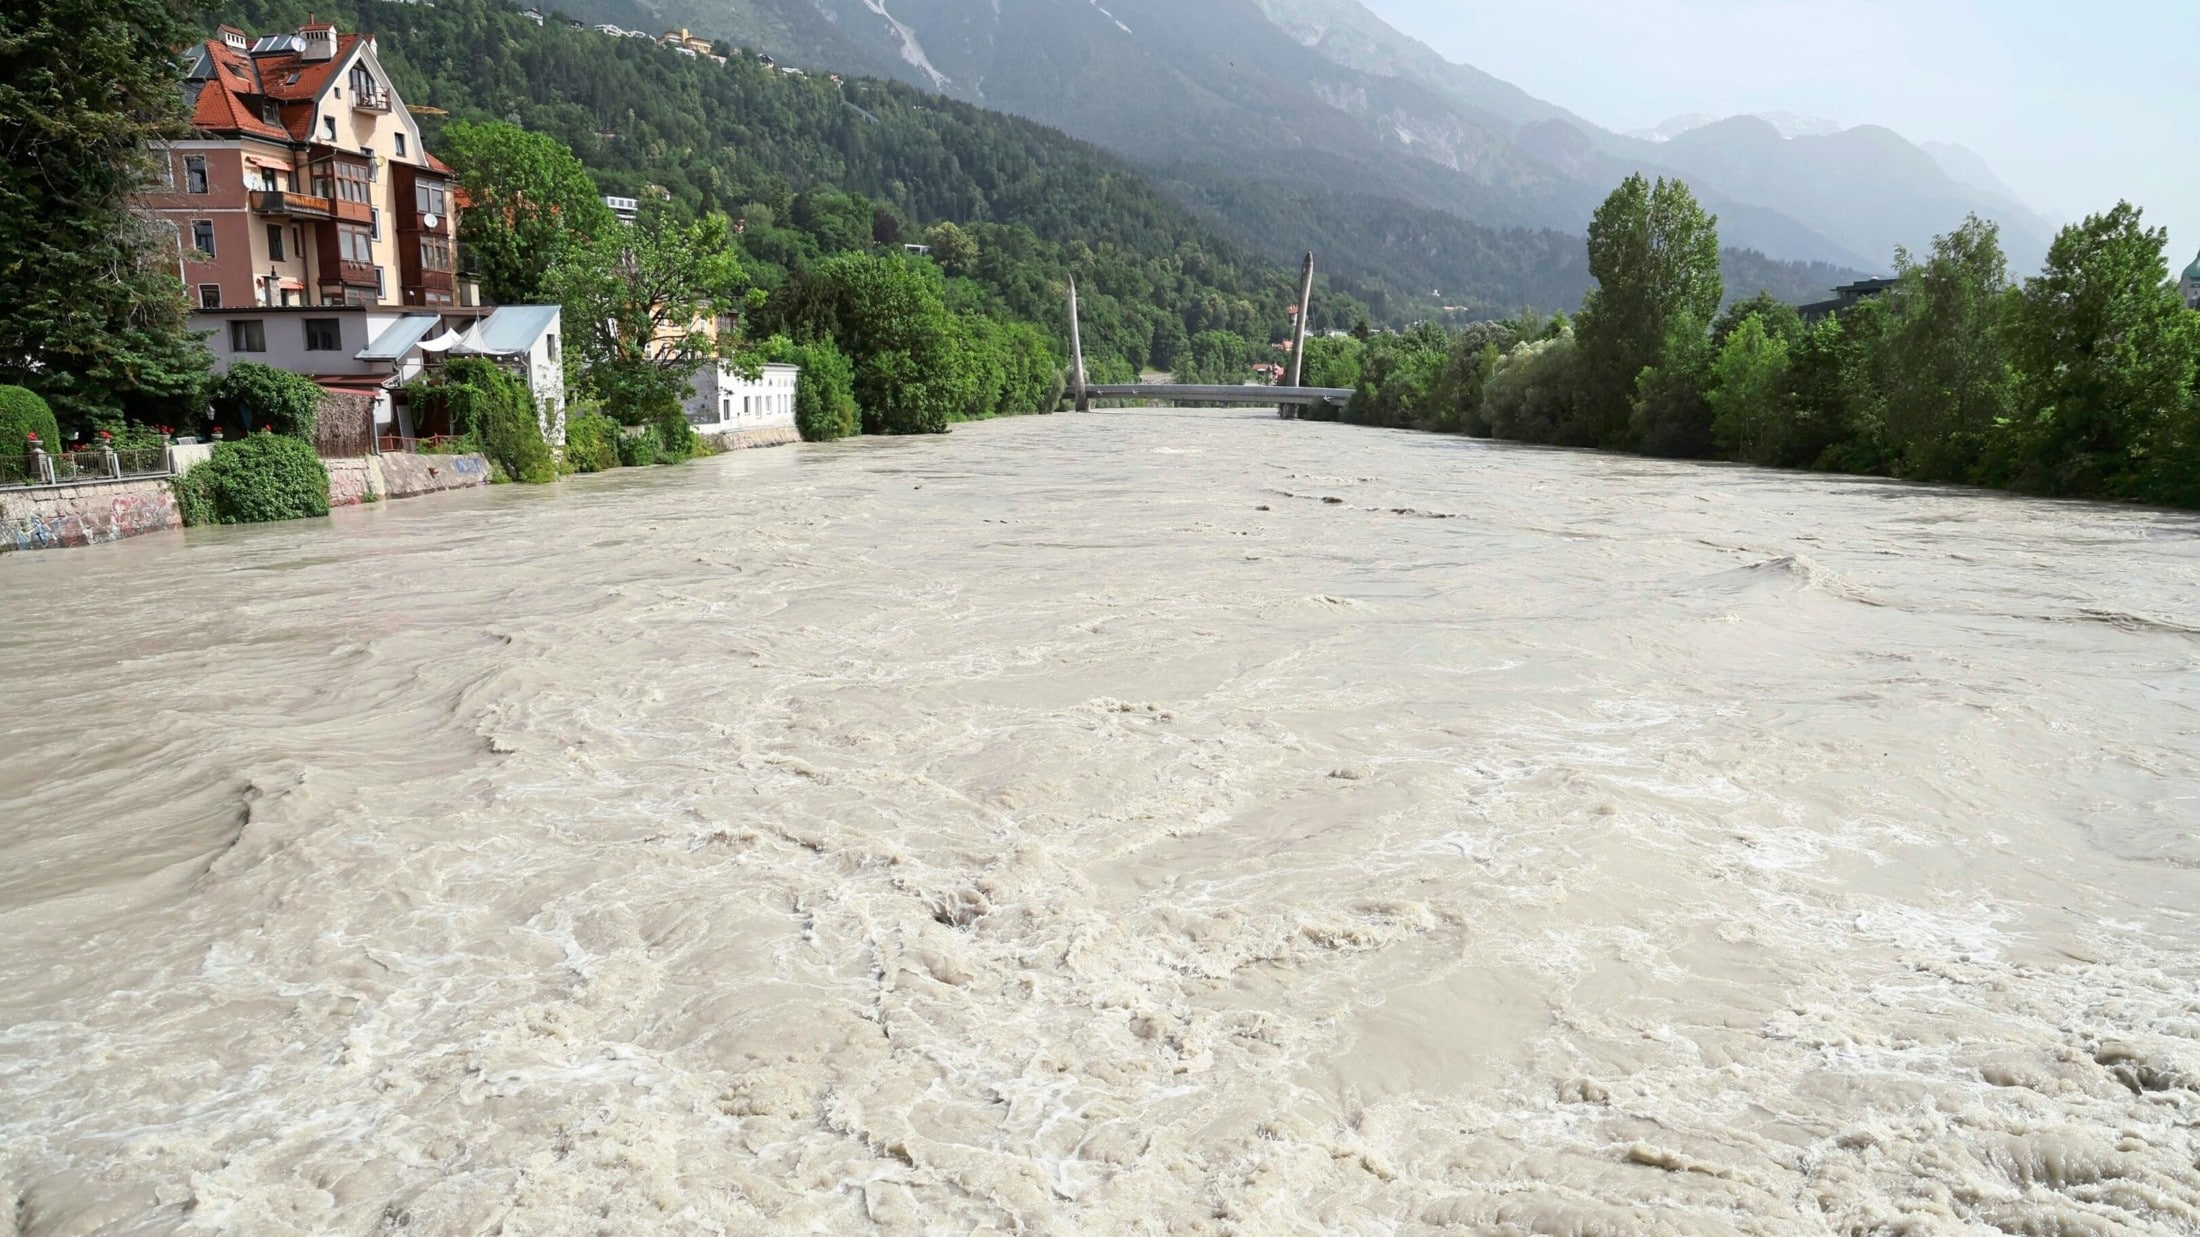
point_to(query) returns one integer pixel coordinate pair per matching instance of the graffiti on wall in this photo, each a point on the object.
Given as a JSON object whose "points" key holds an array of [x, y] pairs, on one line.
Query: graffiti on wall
{"points": [[87, 516], [350, 482]]}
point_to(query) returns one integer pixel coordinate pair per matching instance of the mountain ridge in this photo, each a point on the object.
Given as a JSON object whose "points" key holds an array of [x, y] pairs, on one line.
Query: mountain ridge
{"points": [[1325, 95]]}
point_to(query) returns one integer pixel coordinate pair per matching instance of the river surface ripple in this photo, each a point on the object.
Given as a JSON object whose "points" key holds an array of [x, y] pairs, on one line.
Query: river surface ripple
{"points": [[1136, 822]]}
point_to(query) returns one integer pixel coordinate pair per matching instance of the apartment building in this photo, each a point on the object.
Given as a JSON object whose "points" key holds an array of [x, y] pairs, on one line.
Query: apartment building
{"points": [[305, 182]]}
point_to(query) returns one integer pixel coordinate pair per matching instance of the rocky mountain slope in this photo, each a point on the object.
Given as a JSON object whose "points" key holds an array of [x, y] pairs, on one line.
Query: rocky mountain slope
{"points": [[1323, 96]]}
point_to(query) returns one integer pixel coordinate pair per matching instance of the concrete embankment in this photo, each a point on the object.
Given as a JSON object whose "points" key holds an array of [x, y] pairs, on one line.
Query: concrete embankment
{"points": [[99, 511]]}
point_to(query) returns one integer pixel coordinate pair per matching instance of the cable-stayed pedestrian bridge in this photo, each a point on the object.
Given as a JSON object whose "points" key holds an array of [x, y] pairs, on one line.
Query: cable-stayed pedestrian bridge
{"points": [[1277, 397], [1287, 400]]}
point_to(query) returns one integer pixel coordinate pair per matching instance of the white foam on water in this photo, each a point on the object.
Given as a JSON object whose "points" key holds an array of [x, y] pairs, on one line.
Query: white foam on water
{"points": [[1071, 846]]}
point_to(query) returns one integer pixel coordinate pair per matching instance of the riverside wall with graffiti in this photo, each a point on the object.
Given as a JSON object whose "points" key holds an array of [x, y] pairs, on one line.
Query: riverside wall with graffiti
{"points": [[97, 512], [93, 513]]}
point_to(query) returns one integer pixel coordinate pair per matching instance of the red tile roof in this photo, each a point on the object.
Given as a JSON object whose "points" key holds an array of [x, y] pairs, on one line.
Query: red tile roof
{"points": [[234, 85], [218, 109]]}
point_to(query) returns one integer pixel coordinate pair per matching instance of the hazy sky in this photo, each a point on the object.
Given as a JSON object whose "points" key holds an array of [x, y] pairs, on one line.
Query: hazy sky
{"points": [[2074, 104]]}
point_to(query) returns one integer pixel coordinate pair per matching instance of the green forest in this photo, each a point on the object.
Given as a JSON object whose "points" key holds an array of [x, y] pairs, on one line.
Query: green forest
{"points": [[2078, 381]]}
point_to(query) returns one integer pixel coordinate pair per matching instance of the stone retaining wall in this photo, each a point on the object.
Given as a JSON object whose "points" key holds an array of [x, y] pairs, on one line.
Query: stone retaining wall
{"points": [[404, 476], [87, 513], [351, 482], [741, 440]]}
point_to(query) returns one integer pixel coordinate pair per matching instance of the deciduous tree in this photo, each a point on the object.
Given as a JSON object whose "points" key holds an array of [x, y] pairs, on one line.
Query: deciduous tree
{"points": [[531, 205], [1655, 255]]}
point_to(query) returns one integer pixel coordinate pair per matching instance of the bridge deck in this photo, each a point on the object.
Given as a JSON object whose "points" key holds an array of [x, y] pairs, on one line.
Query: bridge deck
{"points": [[1263, 396]]}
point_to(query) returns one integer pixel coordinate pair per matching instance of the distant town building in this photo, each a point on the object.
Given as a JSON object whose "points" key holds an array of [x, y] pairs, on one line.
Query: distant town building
{"points": [[1846, 297], [2190, 285], [681, 41], [626, 209], [533, 15]]}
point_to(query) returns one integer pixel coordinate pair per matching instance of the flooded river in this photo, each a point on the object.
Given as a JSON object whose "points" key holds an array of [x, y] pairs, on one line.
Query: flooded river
{"points": [[1143, 822]]}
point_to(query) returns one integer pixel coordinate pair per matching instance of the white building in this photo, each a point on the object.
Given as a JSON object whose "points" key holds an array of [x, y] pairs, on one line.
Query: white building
{"points": [[728, 402], [523, 339], [376, 351]]}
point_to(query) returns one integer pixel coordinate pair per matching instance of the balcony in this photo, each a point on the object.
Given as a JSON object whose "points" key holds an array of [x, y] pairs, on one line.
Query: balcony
{"points": [[353, 212], [349, 274], [373, 101], [291, 205]]}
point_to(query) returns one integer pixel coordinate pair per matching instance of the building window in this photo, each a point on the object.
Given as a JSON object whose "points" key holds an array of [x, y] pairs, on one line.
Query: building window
{"points": [[328, 127], [400, 140], [202, 236], [362, 83], [194, 174], [428, 199], [354, 243], [248, 335], [351, 184], [553, 341], [210, 296], [298, 240], [166, 177], [374, 220], [435, 253], [274, 242], [324, 335], [379, 291]]}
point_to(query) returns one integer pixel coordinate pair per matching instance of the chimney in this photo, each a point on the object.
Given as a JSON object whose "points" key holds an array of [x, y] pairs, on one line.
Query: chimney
{"points": [[233, 38], [316, 42]]}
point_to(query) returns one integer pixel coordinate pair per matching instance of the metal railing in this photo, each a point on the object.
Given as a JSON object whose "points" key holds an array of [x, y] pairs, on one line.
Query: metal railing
{"points": [[76, 467], [433, 444]]}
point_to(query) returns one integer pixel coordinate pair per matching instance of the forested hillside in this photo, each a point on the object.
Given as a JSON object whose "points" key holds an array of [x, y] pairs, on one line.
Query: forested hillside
{"points": [[1400, 257], [781, 151], [811, 167]]}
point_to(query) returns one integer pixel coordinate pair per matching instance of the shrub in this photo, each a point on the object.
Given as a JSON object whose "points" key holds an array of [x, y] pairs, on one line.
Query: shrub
{"points": [[591, 442], [23, 413], [493, 409], [195, 499], [278, 400], [265, 477], [637, 449], [676, 440], [824, 393]]}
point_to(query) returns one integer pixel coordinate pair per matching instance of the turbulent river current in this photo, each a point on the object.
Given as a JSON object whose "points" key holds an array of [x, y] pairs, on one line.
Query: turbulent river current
{"points": [[1138, 822]]}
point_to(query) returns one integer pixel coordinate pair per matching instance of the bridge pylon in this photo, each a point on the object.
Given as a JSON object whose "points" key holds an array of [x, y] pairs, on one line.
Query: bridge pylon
{"points": [[1298, 335]]}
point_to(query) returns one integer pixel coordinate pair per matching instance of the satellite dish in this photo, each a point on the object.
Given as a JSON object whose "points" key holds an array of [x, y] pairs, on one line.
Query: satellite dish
{"points": [[430, 222]]}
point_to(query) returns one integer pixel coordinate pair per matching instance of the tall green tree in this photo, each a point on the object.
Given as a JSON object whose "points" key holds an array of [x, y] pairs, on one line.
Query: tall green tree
{"points": [[1654, 253], [92, 315], [640, 304], [888, 315], [2107, 352], [1672, 412], [1950, 381], [531, 205], [1746, 390]]}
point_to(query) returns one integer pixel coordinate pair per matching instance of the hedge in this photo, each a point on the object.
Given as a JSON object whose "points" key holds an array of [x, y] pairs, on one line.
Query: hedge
{"points": [[591, 442], [261, 479], [23, 413]]}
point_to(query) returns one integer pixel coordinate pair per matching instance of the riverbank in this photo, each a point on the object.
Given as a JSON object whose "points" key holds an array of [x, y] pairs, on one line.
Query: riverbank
{"points": [[1146, 817]]}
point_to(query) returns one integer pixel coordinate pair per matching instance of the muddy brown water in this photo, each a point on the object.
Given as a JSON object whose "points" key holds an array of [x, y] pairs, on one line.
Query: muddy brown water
{"points": [[1146, 822]]}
